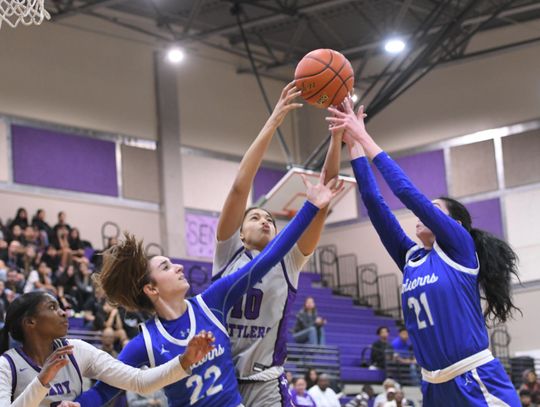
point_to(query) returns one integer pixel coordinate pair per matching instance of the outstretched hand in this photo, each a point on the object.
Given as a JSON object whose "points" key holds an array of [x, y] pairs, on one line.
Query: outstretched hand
{"points": [[344, 119], [198, 347], [321, 194], [286, 102]]}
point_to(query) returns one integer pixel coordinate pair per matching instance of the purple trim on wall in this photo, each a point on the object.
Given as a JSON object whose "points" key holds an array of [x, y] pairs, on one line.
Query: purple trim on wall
{"points": [[486, 215], [264, 180], [426, 171], [53, 159]]}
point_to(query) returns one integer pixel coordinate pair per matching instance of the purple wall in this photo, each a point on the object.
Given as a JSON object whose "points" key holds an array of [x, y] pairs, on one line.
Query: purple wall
{"points": [[53, 159], [427, 172], [198, 274], [486, 215], [264, 180]]}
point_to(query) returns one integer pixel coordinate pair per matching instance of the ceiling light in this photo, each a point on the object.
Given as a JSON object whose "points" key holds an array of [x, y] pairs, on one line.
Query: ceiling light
{"points": [[175, 55], [394, 46]]}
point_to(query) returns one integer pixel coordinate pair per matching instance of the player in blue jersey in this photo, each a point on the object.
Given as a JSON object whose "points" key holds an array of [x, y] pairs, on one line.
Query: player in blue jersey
{"points": [[155, 285], [241, 235], [47, 369], [442, 279]]}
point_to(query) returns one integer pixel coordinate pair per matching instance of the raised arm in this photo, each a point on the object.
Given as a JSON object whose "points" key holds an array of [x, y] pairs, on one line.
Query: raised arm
{"points": [[394, 239], [235, 203], [450, 235], [310, 238], [226, 291]]}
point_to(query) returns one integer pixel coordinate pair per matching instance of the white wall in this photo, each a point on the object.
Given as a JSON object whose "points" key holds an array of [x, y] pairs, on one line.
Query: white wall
{"points": [[525, 330], [523, 225], [88, 217], [60, 74]]}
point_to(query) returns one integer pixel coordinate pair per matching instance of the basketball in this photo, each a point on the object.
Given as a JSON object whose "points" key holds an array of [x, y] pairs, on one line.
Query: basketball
{"points": [[325, 77]]}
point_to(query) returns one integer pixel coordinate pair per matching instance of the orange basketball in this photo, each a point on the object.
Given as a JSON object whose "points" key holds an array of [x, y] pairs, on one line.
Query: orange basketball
{"points": [[325, 77]]}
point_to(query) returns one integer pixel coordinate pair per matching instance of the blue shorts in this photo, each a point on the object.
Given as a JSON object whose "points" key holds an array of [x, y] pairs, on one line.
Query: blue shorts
{"points": [[487, 385]]}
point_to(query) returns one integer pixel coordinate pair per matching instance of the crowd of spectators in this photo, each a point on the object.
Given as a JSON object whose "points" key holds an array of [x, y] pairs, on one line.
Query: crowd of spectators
{"points": [[35, 255]]}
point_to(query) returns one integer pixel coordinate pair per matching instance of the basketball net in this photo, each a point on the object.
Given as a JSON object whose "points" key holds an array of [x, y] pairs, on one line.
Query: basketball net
{"points": [[26, 12]]}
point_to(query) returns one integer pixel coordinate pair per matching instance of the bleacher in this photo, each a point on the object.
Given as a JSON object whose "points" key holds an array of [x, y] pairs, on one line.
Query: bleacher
{"points": [[350, 329]]}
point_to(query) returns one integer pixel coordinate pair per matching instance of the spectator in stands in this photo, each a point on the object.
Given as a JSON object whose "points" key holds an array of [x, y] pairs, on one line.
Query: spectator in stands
{"points": [[30, 238], [526, 398], [61, 243], [403, 347], [40, 279], [532, 384], [398, 400], [21, 219], [311, 377], [299, 395], [322, 394], [309, 326], [380, 349], [61, 223], [76, 246], [107, 342], [16, 234], [404, 355], [362, 399], [51, 258], [84, 284], [382, 398], [93, 312], [131, 321], [67, 288], [15, 281], [45, 230], [14, 255]]}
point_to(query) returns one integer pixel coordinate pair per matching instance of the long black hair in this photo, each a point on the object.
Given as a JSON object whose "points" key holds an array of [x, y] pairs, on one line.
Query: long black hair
{"points": [[22, 307], [498, 262]]}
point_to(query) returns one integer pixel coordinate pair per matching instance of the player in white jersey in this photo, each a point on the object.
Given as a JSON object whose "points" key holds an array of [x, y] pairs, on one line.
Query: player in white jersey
{"points": [[257, 324], [47, 369]]}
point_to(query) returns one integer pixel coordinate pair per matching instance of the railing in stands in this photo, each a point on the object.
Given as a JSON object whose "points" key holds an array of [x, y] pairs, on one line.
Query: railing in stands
{"points": [[154, 249], [109, 230], [301, 357], [362, 282]]}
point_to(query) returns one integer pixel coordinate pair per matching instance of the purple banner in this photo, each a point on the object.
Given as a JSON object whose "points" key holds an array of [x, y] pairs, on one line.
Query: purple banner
{"points": [[426, 171], [201, 235], [53, 159], [486, 215], [264, 180], [198, 274]]}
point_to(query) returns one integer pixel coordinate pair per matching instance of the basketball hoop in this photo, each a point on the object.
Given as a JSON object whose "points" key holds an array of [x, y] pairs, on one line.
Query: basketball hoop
{"points": [[26, 12]]}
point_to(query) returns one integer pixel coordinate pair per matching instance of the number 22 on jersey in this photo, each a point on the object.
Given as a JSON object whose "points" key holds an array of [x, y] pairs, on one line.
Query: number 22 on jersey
{"points": [[213, 373], [413, 303]]}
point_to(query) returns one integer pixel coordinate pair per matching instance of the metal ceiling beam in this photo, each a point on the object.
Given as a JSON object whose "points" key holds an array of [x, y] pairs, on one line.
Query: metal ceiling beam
{"points": [[270, 19], [88, 7]]}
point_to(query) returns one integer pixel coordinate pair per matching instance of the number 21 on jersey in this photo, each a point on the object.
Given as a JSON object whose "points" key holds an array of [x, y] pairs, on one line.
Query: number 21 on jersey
{"points": [[413, 303]]}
